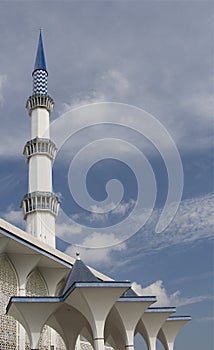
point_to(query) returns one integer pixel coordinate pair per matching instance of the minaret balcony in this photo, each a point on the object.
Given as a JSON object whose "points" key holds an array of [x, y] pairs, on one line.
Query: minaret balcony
{"points": [[40, 146], [39, 100], [40, 201]]}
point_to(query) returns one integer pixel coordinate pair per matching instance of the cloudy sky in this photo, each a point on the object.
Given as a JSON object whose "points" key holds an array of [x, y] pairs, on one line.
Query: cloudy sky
{"points": [[153, 60]]}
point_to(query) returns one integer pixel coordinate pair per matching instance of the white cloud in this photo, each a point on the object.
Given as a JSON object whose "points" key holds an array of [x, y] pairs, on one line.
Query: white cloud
{"points": [[157, 289], [82, 100], [14, 216], [117, 210], [99, 214], [98, 239], [96, 255], [113, 80], [110, 86], [67, 229], [164, 299], [123, 208]]}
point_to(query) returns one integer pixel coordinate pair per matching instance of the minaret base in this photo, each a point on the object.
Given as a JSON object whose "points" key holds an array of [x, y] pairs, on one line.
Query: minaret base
{"points": [[41, 225]]}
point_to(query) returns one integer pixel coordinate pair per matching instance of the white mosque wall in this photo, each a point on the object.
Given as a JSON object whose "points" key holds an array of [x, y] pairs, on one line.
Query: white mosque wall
{"points": [[12, 334], [8, 287]]}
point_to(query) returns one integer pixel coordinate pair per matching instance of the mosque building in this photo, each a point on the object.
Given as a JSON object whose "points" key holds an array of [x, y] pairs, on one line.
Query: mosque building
{"points": [[49, 300]]}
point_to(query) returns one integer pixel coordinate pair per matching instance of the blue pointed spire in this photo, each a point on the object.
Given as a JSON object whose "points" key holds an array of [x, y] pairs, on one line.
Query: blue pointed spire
{"points": [[40, 56], [40, 72]]}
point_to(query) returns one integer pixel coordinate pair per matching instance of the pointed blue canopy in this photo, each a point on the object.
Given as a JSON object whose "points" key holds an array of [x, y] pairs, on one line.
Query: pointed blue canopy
{"points": [[79, 273], [40, 56]]}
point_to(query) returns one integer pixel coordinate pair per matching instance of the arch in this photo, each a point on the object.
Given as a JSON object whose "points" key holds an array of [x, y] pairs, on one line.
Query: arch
{"points": [[8, 287], [141, 329], [60, 344], [36, 286], [139, 342], [86, 335], [85, 344], [159, 345], [162, 339], [70, 323], [114, 331]]}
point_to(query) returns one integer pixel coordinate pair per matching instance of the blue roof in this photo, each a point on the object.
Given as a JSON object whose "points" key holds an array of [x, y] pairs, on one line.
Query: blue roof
{"points": [[40, 56], [130, 293], [79, 273]]}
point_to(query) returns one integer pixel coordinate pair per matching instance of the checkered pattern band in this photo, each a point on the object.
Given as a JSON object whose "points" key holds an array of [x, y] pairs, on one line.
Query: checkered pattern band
{"points": [[40, 82]]}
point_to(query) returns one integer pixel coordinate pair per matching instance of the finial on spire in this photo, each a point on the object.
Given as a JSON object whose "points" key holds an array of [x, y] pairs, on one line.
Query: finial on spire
{"points": [[78, 255], [40, 56]]}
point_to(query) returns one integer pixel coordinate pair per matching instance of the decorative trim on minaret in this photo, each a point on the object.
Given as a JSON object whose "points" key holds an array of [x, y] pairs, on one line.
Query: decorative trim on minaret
{"points": [[39, 100], [40, 201], [40, 83], [40, 146], [40, 206]]}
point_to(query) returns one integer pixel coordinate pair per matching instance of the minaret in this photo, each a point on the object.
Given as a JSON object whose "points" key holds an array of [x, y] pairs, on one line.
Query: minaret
{"points": [[40, 205]]}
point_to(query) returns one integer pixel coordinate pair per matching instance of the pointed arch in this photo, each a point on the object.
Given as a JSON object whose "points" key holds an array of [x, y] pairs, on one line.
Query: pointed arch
{"points": [[8, 287], [160, 345], [139, 342], [36, 286], [114, 331]]}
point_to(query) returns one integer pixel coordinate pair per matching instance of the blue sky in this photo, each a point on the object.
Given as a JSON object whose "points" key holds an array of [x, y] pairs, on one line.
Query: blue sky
{"points": [[153, 55]]}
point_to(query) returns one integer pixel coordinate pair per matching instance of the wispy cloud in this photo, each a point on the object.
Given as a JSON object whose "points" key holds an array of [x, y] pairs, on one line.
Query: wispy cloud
{"points": [[193, 221], [203, 276], [205, 319]]}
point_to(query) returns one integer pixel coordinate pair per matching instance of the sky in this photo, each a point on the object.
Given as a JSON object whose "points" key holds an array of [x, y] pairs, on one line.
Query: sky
{"points": [[132, 83]]}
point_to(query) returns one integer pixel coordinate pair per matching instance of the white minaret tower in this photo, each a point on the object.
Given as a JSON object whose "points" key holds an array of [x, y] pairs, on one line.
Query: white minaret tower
{"points": [[40, 205]]}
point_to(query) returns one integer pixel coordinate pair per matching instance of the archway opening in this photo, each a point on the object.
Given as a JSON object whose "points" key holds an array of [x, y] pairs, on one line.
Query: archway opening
{"points": [[159, 345], [139, 342], [36, 286]]}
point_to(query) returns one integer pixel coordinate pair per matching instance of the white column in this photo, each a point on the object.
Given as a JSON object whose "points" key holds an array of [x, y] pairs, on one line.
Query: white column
{"points": [[22, 333], [130, 311], [99, 344], [170, 329], [152, 343], [53, 338], [40, 173], [40, 121]]}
